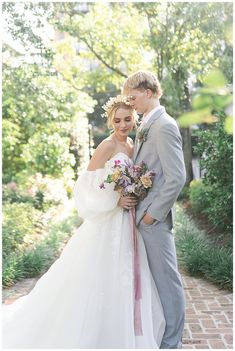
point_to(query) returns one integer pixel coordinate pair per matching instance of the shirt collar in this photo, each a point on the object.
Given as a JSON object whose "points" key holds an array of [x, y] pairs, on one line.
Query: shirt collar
{"points": [[149, 115]]}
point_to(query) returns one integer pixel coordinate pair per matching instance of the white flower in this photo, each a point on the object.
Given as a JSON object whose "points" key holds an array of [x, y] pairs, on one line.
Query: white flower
{"points": [[113, 101]]}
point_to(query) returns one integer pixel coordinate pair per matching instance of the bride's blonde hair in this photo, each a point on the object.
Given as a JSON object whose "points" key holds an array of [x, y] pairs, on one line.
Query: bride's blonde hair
{"points": [[111, 107]]}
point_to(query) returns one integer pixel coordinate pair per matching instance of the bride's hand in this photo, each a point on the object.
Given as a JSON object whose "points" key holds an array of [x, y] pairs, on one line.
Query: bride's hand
{"points": [[127, 202]]}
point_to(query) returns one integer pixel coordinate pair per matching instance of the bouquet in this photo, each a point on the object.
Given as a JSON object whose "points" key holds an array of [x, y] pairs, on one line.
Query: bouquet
{"points": [[129, 179], [133, 180]]}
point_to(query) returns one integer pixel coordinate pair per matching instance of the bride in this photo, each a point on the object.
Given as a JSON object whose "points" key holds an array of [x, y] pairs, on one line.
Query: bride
{"points": [[86, 299]]}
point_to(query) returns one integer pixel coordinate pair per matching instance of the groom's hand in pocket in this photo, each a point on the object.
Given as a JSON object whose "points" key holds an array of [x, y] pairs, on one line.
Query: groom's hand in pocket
{"points": [[147, 219], [127, 202]]}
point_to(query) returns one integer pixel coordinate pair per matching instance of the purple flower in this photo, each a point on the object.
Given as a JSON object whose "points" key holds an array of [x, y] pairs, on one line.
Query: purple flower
{"points": [[129, 178], [128, 163]]}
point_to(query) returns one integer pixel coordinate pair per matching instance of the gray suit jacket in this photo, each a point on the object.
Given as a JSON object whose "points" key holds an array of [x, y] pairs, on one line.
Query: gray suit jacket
{"points": [[162, 152]]}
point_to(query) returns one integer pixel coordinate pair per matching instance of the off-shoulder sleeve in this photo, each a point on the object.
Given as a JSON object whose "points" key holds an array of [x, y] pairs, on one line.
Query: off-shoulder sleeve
{"points": [[90, 200]]}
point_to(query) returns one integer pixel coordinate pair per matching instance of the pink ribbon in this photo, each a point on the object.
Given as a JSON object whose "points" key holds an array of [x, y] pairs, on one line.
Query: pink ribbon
{"points": [[137, 278]]}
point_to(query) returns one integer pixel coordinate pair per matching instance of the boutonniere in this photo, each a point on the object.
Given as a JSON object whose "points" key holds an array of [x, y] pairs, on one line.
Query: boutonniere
{"points": [[142, 134]]}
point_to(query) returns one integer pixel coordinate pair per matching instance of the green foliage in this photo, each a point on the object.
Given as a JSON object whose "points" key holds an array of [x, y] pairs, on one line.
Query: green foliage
{"points": [[184, 194], [12, 270], [220, 211], [22, 19], [48, 154], [41, 111], [180, 42], [40, 191], [20, 221], [109, 53], [210, 99], [200, 256], [186, 40], [36, 259], [215, 148], [199, 196], [11, 195]]}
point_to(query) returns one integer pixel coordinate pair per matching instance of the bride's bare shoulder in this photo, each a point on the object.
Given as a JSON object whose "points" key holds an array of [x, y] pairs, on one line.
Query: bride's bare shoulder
{"points": [[102, 154], [106, 146]]}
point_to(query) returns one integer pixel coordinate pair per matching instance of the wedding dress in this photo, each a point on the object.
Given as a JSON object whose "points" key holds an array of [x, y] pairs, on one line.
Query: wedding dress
{"points": [[85, 299]]}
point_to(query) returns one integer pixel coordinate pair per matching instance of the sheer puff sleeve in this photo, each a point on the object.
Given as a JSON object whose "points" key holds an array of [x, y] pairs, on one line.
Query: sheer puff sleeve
{"points": [[90, 199]]}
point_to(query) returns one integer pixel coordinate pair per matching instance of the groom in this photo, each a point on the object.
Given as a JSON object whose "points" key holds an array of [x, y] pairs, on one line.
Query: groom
{"points": [[158, 143]]}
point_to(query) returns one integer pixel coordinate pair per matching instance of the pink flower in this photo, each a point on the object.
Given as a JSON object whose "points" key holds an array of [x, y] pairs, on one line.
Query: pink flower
{"points": [[12, 186], [117, 162], [130, 179]]}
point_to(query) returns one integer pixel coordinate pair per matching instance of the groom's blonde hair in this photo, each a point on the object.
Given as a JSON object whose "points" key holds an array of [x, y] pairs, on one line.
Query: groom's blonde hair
{"points": [[143, 80]]}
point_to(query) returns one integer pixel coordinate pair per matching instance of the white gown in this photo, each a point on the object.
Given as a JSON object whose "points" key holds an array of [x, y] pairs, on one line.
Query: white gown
{"points": [[85, 299]]}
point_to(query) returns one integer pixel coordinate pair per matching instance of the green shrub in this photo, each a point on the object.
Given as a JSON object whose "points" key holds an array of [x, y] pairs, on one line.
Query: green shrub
{"points": [[12, 269], [12, 195], [33, 261], [215, 148], [198, 195], [184, 194], [220, 208], [199, 255], [211, 201], [48, 153], [19, 220], [40, 196]]}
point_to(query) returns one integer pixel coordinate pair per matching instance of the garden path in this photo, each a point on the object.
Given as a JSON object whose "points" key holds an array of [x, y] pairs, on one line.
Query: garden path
{"points": [[209, 312]]}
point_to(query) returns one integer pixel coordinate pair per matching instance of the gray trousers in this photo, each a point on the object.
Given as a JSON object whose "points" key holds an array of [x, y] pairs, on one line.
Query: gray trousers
{"points": [[160, 247]]}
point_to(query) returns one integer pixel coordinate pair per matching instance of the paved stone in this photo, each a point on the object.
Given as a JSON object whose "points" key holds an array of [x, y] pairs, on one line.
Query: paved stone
{"points": [[209, 315], [209, 312], [21, 288]]}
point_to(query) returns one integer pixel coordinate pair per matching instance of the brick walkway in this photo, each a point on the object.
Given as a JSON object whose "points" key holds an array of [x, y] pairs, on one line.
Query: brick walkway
{"points": [[209, 318], [209, 315]]}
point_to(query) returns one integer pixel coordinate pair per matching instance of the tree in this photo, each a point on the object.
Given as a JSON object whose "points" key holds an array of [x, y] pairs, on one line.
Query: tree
{"points": [[104, 43], [186, 39], [43, 115], [177, 40]]}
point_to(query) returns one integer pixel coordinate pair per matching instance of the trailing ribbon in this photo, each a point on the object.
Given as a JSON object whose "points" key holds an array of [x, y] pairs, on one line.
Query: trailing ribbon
{"points": [[137, 278]]}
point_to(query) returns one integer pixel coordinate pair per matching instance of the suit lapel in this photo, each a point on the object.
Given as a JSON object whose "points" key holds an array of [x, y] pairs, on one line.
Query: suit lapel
{"points": [[139, 143]]}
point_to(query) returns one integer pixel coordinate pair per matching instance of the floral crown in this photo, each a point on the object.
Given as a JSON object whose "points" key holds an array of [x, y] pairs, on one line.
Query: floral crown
{"points": [[112, 102]]}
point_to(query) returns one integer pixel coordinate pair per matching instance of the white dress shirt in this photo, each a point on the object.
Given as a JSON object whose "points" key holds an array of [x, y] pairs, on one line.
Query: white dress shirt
{"points": [[149, 115]]}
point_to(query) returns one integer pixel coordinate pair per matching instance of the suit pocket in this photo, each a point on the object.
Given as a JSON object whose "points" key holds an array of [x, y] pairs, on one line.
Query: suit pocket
{"points": [[169, 220], [149, 225]]}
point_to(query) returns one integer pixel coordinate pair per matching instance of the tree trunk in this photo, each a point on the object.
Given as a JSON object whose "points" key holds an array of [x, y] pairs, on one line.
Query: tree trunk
{"points": [[187, 139], [181, 76], [187, 149]]}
